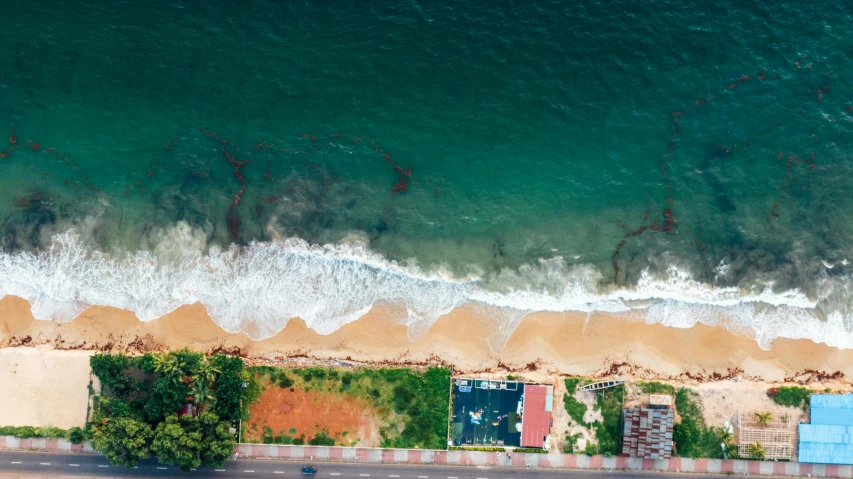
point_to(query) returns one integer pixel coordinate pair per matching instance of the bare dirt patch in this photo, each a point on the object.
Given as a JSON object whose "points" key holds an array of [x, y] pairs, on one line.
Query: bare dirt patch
{"points": [[343, 418]]}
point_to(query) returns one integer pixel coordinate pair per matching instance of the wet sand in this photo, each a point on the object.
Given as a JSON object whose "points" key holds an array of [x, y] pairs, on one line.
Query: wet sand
{"points": [[544, 343]]}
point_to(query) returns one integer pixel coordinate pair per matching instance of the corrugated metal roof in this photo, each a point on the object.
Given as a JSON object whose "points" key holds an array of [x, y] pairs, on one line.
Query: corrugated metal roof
{"points": [[832, 409], [826, 444], [647, 433], [535, 420]]}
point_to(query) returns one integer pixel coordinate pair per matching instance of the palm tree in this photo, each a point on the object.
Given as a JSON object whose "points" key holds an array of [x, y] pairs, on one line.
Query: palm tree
{"points": [[725, 435], [206, 371], [202, 395], [168, 366], [756, 451], [763, 418]]}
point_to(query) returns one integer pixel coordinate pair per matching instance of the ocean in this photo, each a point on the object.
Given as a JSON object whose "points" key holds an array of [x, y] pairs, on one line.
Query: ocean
{"points": [[270, 160]]}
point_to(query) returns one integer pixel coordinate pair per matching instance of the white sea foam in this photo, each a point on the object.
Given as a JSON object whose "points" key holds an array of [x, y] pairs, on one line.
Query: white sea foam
{"points": [[258, 288]]}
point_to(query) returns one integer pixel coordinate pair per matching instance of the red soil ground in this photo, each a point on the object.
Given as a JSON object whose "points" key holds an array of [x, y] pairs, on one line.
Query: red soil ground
{"points": [[312, 412]]}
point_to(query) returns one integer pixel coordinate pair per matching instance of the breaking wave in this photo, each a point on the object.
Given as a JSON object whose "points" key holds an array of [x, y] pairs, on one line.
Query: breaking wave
{"points": [[258, 288]]}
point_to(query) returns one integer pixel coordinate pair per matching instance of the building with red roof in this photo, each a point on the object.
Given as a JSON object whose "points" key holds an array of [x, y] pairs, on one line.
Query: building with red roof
{"points": [[536, 418]]}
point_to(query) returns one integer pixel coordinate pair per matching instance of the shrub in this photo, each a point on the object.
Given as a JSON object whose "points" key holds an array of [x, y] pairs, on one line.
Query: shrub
{"points": [[76, 435], [111, 369], [654, 387], [575, 408], [322, 439], [794, 396]]}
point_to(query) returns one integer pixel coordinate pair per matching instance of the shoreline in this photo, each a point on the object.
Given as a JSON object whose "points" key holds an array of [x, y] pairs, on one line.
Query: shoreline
{"points": [[599, 345]]}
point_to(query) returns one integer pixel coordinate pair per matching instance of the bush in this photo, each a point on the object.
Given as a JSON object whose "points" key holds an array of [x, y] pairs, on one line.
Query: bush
{"points": [[794, 396], [76, 435], [26, 432], [654, 387], [322, 439], [228, 387], [575, 408], [111, 369]]}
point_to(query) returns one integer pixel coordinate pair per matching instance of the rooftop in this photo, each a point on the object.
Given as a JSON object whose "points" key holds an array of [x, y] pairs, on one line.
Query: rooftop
{"points": [[536, 418], [647, 433]]}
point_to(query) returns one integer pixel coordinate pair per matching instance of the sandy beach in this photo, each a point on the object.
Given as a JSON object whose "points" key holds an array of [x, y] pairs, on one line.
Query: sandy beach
{"points": [[544, 343], [43, 387]]}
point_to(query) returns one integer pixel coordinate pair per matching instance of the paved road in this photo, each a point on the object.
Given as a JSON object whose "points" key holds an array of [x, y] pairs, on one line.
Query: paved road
{"points": [[56, 464]]}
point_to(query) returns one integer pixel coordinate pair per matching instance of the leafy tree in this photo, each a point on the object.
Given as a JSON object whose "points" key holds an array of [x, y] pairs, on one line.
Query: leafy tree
{"points": [[178, 441], [757, 451], [228, 386], [166, 398], [218, 441], [111, 369], [763, 418], [190, 442], [122, 440], [145, 363]]}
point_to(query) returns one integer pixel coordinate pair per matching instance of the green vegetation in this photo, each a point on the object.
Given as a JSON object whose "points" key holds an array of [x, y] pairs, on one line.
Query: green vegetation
{"points": [[757, 451], [575, 408], [794, 396], [608, 432], [691, 436], [654, 387], [411, 405], [571, 443], [123, 440], [27, 432], [138, 416], [192, 441], [763, 418]]}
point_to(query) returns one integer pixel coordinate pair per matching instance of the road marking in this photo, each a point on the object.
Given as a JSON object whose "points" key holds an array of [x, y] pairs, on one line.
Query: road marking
{"points": [[192, 469], [423, 477], [219, 470], [334, 473], [136, 467], [248, 471], [74, 465], [452, 477], [16, 462], [278, 472], [101, 465], [44, 463], [393, 475], [162, 468], [364, 475]]}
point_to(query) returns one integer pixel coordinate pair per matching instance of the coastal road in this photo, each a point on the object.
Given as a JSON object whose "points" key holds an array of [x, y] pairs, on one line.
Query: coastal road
{"points": [[56, 464]]}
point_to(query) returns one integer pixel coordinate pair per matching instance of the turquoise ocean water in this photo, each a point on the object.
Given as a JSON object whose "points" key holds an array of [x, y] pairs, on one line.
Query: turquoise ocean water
{"points": [[281, 159]]}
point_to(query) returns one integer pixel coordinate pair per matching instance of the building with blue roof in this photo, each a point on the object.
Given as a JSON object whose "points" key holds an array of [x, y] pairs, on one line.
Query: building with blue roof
{"points": [[828, 439]]}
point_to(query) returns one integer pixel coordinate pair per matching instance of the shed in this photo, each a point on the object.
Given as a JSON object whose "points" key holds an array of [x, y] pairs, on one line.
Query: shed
{"points": [[828, 439], [647, 433]]}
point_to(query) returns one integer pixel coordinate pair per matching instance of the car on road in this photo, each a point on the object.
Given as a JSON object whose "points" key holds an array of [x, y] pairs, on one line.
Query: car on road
{"points": [[309, 470]]}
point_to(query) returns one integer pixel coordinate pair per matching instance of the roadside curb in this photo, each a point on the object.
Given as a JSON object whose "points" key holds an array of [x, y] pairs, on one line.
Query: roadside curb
{"points": [[363, 455]]}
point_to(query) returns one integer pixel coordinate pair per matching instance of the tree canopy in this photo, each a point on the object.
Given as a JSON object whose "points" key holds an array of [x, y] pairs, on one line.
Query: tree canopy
{"points": [[136, 418], [122, 440], [190, 442]]}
